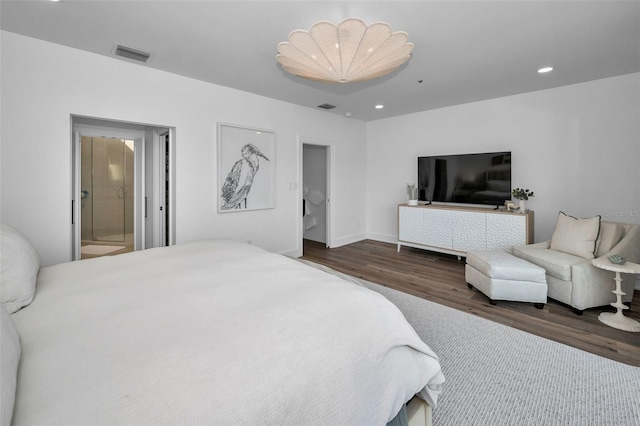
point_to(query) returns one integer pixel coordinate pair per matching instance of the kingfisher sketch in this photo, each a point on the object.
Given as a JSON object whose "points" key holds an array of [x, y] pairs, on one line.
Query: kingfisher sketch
{"points": [[238, 182]]}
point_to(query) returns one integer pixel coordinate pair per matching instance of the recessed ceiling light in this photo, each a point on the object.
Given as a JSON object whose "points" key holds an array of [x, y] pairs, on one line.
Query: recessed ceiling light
{"points": [[379, 106], [545, 70]]}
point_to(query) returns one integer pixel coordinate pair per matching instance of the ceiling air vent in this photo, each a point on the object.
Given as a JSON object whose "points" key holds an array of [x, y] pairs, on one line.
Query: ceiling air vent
{"points": [[129, 53], [326, 106]]}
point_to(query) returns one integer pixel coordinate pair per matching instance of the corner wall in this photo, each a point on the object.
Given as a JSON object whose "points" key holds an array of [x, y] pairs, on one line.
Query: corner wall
{"points": [[43, 84]]}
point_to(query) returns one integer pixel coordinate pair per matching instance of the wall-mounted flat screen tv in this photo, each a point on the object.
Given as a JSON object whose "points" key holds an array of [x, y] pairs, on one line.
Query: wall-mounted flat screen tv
{"points": [[469, 178]]}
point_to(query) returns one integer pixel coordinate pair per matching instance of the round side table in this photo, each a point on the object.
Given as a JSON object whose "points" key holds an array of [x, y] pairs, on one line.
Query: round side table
{"points": [[617, 319]]}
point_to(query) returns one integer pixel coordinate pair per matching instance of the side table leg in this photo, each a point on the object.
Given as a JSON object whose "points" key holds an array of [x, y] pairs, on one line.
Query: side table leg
{"points": [[617, 319]]}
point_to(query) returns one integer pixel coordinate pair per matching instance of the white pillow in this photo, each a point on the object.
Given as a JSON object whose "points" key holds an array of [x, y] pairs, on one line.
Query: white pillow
{"points": [[576, 236], [9, 360], [19, 265]]}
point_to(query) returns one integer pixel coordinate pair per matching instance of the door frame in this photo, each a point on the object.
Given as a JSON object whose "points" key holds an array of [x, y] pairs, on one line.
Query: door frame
{"points": [[330, 159], [151, 134]]}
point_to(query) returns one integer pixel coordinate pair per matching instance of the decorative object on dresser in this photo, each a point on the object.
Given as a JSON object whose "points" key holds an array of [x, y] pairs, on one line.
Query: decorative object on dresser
{"points": [[457, 230], [412, 194], [521, 195], [617, 319], [571, 276]]}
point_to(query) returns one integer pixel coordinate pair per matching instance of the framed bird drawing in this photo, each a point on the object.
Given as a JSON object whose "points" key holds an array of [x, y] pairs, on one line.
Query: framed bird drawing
{"points": [[246, 168]]}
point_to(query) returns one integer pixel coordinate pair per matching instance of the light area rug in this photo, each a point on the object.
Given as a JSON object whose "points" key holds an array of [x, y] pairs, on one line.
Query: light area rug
{"points": [[93, 249], [498, 375]]}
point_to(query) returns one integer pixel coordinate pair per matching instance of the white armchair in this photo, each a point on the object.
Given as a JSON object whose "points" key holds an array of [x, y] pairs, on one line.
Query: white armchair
{"points": [[571, 278]]}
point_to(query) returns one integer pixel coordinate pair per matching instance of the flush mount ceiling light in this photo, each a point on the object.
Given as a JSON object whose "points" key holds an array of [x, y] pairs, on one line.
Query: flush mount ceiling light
{"points": [[545, 70], [348, 52]]}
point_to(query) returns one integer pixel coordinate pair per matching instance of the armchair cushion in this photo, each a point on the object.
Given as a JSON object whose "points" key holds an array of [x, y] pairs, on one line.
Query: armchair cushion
{"points": [[610, 234], [556, 263], [576, 236]]}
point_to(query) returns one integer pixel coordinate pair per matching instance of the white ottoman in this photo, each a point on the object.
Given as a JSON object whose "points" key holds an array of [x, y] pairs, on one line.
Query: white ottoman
{"points": [[502, 276]]}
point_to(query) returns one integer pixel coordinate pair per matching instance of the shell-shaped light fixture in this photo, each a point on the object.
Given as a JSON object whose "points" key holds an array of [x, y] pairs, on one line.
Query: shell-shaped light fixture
{"points": [[348, 52]]}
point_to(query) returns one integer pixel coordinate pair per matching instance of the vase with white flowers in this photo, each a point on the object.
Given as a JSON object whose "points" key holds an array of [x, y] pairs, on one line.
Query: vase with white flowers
{"points": [[412, 194], [521, 195]]}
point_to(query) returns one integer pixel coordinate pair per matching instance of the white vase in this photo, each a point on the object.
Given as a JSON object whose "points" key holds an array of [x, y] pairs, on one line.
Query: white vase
{"points": [[521, 206]]}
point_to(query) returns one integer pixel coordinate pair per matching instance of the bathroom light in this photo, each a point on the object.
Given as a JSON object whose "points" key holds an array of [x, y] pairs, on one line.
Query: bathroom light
{"points": [[545, 70], [379, 106], [348, 52]]}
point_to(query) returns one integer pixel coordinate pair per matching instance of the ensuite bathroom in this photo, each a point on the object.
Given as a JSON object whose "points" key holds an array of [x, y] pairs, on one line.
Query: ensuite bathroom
{"points": [[107, 196]]}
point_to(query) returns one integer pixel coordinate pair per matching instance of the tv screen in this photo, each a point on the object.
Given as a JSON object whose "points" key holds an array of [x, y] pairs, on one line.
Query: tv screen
{"points": [[468, 178]]}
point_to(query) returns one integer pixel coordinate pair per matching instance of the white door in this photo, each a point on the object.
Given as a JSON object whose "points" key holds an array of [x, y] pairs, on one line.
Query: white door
{"points": [[159, 192]]}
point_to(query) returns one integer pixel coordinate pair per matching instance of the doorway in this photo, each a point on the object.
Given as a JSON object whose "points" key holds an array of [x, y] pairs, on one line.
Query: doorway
{"points": [[316, 194], [122, 187], [106, 196]]}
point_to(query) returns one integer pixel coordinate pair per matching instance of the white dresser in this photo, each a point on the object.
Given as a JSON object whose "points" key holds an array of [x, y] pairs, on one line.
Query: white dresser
{"points": [[456, 230]]}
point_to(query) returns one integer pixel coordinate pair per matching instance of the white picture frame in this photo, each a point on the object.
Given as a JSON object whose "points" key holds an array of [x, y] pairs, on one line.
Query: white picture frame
{"points": [[246, 168]]}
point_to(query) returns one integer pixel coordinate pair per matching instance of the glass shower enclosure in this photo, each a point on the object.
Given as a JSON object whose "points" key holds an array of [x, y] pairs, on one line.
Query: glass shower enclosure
{"points": [[106, 192]]}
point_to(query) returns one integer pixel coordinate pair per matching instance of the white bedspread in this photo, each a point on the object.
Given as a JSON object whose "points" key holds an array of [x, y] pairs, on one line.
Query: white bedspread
{"points": [[213, 332]]}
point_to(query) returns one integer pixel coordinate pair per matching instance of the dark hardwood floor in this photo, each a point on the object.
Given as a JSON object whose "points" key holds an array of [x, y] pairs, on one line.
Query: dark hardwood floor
{"points": [[440, 278]]}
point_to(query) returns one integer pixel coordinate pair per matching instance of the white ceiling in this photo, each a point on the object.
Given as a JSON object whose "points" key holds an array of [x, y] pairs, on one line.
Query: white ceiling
{"points": [[464, 51]]}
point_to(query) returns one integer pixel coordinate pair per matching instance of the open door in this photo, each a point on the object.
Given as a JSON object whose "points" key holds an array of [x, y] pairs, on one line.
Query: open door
{"points": [[159, 190], [316, 192]]}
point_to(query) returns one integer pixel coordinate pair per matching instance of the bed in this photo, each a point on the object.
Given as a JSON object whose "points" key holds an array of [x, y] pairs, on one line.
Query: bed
{"points": [[207, 332]]}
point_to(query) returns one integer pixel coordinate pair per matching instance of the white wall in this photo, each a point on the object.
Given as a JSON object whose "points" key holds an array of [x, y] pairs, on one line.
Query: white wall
{"points": [[577, 147], [43, 84]]}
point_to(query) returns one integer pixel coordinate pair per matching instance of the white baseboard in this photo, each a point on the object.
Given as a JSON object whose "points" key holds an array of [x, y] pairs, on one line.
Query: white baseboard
{"points": [[385, 238], [296, 252], [349, 239]]}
